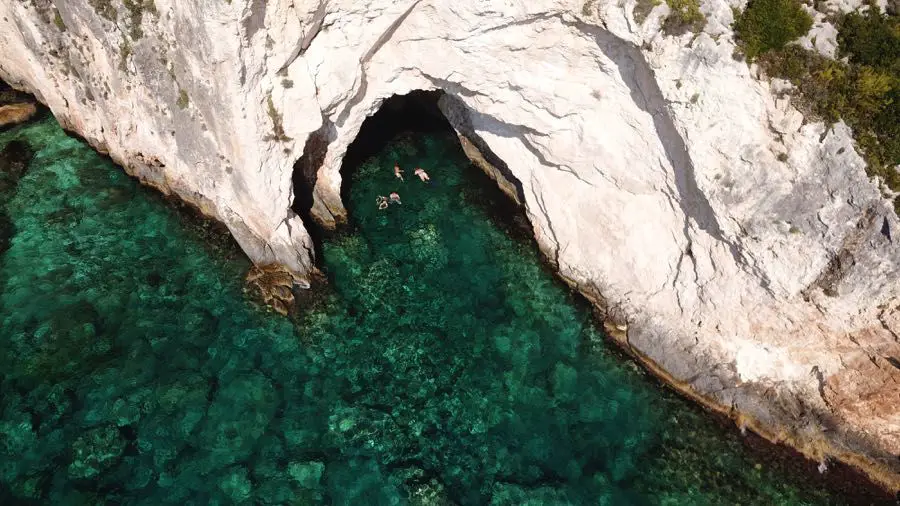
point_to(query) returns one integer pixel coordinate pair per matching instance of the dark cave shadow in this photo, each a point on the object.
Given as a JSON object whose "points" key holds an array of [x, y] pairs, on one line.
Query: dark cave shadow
{"points": [[415, 113]]}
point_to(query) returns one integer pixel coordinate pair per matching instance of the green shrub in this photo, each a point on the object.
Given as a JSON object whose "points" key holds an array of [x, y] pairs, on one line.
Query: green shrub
{"points": [[685, 16], [864, 93], [871, 43], [820, 80], [125, 51], [770, 24], [871, 39], [136, 10]]}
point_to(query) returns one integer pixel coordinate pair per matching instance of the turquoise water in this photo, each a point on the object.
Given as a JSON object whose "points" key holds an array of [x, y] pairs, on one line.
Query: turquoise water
{"points": [[442, 365]]}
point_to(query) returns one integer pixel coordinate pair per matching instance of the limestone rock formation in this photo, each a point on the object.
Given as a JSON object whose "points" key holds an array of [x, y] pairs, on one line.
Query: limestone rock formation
{"points": [[15, 107], [13, 114], [272, 285], [739, 249]]}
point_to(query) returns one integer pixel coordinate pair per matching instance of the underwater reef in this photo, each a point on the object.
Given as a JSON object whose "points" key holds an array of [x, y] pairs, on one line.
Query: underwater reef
{"points": [[442, 364]]}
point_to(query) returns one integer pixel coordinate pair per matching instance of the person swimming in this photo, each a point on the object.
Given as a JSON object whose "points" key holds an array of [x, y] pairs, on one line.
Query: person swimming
{"points": [[381, 202], [398, 172], [395, 198], [422, 174]]}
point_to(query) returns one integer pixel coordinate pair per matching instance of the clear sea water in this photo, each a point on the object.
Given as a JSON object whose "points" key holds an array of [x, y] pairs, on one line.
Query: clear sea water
{"points": [[441, 365]]}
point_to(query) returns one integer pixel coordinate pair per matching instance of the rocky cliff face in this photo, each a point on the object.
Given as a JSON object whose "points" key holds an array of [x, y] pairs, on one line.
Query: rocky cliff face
{"points": [[738, 249]]}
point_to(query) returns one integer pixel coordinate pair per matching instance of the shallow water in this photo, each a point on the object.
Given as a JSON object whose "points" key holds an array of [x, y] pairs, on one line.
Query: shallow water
{"points": [[444, 364]]}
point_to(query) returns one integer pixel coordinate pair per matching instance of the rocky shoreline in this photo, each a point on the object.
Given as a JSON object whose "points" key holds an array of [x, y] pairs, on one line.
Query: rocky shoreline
{"points": [[879, 480], [856, 486], [741, 248]]}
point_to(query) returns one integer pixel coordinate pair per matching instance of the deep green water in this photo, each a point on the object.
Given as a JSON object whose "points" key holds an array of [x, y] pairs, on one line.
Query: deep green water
{"points": [[445, 364]]}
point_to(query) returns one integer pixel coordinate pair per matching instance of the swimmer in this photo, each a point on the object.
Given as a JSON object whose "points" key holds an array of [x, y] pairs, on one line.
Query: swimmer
{"points": [[398, 173], [382, 202], [422, 175], [395, 198]]}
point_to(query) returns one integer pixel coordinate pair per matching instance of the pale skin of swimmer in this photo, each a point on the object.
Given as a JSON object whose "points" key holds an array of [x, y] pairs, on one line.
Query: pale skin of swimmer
{"points": [[382, 202]]}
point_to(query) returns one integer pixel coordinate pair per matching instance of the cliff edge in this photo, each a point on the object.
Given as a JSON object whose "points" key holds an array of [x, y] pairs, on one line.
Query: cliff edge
{"points": [[738, 249]]}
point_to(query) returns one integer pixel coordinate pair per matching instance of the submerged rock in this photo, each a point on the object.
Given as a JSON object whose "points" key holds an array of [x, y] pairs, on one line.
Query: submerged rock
{"points": [[236, 419], [95, 451], [432, 493], [308, 474], [14, 160], [273, 285], [236, 485], [651, 168]]}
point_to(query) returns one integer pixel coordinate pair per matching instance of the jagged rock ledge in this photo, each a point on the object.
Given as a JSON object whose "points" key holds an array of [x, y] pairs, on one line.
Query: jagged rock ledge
{"points": [[15, 107], [741, 249]]}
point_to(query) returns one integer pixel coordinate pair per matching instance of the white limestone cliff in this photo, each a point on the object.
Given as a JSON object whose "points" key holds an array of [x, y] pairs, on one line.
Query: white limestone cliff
{"points": [[741, 250]]}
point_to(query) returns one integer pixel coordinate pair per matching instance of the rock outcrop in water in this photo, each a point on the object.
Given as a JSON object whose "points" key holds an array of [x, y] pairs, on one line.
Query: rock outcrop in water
{"points": [[13, 114], [15, 107], [739, 250]]}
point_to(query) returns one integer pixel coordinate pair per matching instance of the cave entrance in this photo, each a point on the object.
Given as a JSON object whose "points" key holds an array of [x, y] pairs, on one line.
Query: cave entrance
{"points": [[402, 119], [413, 130], [416, 112], [404, 128]]}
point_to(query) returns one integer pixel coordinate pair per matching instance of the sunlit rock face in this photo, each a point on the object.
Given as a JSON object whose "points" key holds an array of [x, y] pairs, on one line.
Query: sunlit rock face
{"points": [[741, 248]]}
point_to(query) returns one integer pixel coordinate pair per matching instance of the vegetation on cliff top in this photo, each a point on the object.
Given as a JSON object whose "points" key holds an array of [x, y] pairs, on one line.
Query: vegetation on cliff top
{"points": [[862, 87], [684, 16], [768, 25]]}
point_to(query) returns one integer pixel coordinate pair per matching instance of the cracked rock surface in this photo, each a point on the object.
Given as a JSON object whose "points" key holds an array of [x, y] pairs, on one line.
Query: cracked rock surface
{"points": [[741, 248]]}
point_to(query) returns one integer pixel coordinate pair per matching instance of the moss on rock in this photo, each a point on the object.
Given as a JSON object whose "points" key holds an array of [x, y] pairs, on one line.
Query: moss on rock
{"points": [[58, 20]]}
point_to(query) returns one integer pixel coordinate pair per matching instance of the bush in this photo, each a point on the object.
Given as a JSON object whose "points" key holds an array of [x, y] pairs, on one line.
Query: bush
{"points": [[871, 43], [865, 93], [58, 21], [770, 24], [105, 9], [871, 39], [685, 16], [822, 82]]}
